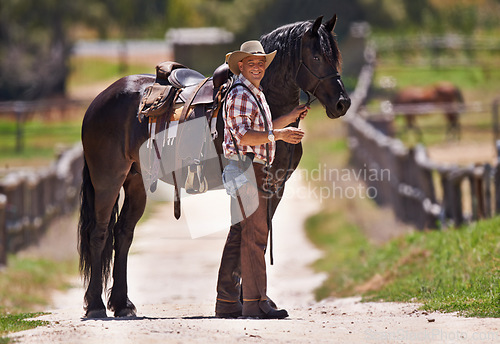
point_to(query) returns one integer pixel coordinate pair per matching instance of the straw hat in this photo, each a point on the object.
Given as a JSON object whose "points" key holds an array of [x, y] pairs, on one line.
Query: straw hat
{"points": [[250, 48]]}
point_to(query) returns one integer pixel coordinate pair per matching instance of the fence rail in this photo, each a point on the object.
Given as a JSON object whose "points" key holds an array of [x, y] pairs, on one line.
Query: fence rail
{"points": [[449, 41], [420, 191], [29, 200]]}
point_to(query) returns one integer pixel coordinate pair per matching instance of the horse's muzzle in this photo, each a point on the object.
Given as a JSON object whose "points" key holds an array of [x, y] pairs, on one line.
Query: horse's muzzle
{"points": [[343, 104]]}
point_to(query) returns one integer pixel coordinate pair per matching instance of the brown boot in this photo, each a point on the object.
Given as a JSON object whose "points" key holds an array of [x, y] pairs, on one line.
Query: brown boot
{"points": [[228, 304], [262, 310]]}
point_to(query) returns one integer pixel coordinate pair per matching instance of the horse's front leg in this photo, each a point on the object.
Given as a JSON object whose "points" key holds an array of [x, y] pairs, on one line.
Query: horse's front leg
{"points": [[132, 210]]}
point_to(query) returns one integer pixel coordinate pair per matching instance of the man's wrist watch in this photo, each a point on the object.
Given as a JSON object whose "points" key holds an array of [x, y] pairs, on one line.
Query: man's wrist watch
{"points": [[270, 136]]}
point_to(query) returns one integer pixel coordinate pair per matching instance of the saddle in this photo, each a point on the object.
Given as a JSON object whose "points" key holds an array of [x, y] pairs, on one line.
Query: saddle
{"points": [[178, 95], [176, 85]]}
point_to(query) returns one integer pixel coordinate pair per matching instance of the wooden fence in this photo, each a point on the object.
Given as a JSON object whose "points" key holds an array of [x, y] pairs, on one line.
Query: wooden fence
{"points": [[421, 192], [443, 50], [29, 200]]}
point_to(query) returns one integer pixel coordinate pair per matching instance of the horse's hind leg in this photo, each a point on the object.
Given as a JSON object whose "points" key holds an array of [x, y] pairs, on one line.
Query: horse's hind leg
{"points": [[132, 210], [101, 249], [453, 129]]}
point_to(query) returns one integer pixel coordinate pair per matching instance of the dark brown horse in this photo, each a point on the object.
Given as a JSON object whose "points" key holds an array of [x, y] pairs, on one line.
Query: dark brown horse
{"points": [[442, 96], [308, 58]]}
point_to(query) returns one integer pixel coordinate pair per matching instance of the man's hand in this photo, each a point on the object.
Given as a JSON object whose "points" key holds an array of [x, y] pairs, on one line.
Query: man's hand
{"points": [[289, 134], [299, 112]]}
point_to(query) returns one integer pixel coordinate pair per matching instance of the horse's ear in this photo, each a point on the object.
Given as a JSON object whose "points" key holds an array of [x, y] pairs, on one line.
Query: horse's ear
{"points": [[316, 25], [330, 25]]}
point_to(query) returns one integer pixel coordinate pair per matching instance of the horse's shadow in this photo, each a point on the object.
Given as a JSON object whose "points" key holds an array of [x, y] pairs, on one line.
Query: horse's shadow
{"points": [[195, 317]]}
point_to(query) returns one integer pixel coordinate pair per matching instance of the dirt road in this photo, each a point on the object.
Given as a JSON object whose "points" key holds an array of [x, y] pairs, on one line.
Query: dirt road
{"points": [[172, 280]]}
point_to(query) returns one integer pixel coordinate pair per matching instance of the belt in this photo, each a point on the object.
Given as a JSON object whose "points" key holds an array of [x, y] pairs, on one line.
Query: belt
{"points": [[255, 159]]}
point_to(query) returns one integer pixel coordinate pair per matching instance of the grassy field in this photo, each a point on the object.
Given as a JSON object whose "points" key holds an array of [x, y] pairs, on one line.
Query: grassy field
{"points": [[91, 70], [450, 271], [479, 85], [42, 140], [26, 283], [18, 322], [25, 286]]}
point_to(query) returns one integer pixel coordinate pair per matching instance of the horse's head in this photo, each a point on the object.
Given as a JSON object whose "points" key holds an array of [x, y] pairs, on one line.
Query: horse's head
{"points": [[319, 66]]}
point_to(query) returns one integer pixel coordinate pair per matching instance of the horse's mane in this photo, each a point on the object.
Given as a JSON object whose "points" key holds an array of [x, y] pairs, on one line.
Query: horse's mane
{"points": [[279, 83], [286, 40]]}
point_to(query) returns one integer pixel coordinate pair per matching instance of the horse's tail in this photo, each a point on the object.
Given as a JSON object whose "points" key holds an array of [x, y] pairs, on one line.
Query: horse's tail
{"points": [[87, 223]]}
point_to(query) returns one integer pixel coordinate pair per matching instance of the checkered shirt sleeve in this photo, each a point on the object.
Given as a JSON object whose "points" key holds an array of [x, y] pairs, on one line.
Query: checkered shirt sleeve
{"points": [[243, 114]]}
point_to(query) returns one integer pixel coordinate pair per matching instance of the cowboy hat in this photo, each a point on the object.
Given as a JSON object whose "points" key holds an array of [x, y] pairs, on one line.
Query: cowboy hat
{"points": [[250, 48]]}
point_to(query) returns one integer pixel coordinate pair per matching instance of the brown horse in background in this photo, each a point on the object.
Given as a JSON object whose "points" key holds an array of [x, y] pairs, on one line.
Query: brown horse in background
{"points": [[443, 96]]}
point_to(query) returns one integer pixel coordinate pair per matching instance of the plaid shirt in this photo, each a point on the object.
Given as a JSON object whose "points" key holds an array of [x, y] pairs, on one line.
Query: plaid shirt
{"points": [[243, 114]]}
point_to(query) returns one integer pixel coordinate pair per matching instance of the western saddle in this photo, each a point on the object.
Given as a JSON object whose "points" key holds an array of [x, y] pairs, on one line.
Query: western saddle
{"points": [[177, 86], [180, 94]]}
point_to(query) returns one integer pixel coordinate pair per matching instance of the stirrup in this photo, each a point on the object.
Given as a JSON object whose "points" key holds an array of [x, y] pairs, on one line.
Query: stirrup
{"points": [[195, 182]]}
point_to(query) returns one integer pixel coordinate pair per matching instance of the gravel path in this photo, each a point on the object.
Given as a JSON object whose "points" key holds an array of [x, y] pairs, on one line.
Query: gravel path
{"points": [[172, 280]]}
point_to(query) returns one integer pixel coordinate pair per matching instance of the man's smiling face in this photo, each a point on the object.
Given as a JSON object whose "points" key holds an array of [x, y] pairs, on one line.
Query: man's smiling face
{"points": [[253, 68]]}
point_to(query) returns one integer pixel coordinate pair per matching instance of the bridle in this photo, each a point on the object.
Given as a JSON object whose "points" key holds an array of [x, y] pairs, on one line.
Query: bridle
{"points": [[319, 80]]}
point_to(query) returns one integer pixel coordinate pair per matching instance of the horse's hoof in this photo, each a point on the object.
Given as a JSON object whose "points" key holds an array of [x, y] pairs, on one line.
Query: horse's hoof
{"points": [[125, 312], [96, 314]]}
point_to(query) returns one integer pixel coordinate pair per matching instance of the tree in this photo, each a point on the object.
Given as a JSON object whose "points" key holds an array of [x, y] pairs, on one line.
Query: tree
{"points": [[34, 47], [36, 42]]}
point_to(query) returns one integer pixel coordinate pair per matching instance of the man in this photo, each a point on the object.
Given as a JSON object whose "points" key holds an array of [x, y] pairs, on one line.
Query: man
{"points": [[246, 117]]}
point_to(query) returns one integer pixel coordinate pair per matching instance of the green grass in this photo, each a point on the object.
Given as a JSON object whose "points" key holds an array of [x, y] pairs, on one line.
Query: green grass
{"points": [[88, 70], [17, 322], [466, 78], [40, 143], [325, 140], [477, 81], [451, 271], [26, 285], [41, 138]]}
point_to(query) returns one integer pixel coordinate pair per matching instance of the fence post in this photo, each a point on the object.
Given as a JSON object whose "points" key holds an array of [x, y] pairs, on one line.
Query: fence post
{"points": [[487, 190], [496, 124], [497, 180], [475, 196], [19, 110], [456, 199], [3, 231], [452, 196]]}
